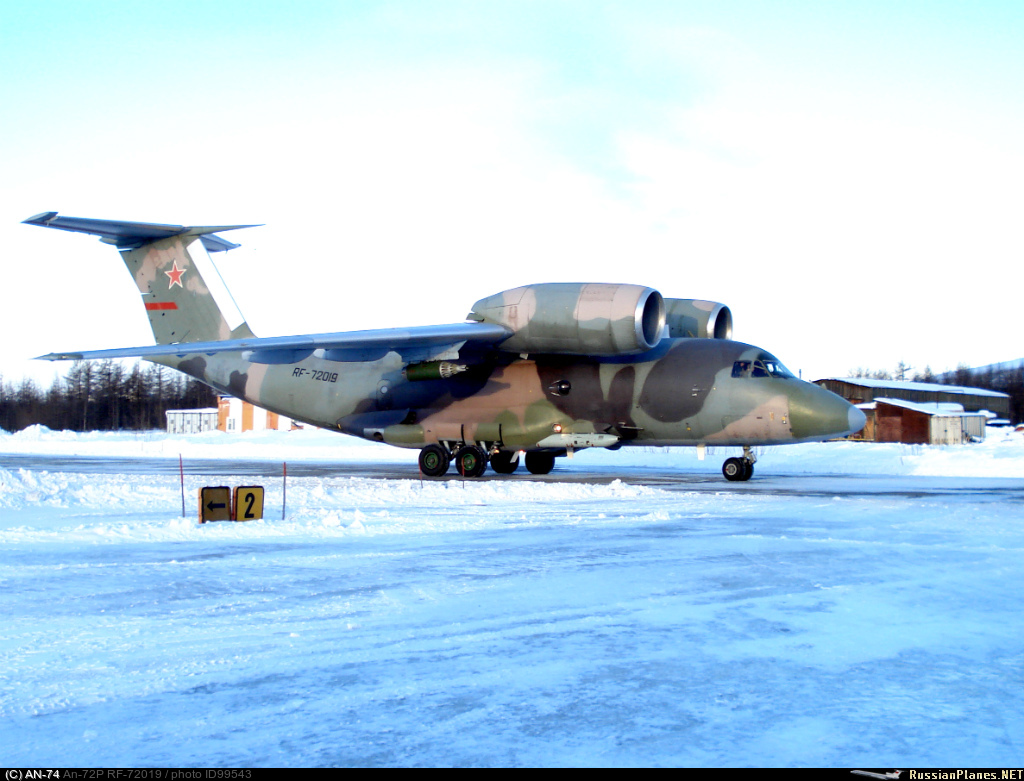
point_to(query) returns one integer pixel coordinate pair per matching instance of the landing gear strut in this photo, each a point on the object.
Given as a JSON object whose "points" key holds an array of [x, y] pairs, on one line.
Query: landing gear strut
{"points": [[739, 469]]}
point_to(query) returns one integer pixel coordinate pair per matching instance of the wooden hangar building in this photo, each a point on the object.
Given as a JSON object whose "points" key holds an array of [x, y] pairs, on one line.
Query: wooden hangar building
{"points": [[920, 412]]}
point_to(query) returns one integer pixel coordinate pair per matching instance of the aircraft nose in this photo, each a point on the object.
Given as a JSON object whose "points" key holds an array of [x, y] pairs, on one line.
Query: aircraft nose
{"points": [[857, 420], [817, 414]]}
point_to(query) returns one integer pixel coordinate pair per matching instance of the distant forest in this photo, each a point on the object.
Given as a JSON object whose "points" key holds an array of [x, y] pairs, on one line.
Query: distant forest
{"points": [[1005, 379], [102, 396]]}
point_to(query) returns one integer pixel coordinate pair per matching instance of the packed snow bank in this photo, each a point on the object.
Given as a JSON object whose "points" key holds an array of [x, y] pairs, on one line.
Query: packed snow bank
{"points": [[65, 508], [1000, 455], [513, 621]]}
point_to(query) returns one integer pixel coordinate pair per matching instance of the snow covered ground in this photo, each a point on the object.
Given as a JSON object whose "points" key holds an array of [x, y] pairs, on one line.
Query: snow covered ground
{"points": [[853, 605]]}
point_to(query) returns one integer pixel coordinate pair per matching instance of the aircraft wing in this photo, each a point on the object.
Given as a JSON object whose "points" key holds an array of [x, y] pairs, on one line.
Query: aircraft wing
{"points": [[413, 344]]}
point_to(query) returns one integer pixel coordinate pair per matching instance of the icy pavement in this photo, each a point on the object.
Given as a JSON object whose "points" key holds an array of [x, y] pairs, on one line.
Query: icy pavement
{"points": [[519, 622]]}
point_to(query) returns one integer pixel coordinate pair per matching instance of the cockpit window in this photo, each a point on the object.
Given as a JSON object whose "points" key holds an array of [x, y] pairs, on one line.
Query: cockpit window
{"points": [[772, 368], [765, 366]]}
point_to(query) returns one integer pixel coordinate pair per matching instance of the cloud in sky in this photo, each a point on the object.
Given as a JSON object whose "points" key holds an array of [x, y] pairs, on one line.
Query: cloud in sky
{"points": [[846, 180]]}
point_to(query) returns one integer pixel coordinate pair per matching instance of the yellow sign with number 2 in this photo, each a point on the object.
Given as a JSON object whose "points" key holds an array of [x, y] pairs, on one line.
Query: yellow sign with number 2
{"points": [[248, 503]]}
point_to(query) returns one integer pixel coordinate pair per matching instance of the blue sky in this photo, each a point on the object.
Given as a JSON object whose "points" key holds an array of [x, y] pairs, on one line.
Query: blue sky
{"points": [[846, 178]]}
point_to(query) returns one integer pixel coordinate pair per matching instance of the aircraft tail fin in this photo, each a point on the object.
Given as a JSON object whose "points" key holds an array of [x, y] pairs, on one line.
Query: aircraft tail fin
{"points": [[183, 293]]}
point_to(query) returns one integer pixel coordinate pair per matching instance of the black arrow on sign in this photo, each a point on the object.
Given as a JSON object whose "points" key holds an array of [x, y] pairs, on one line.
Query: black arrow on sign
{"points": [[212, 506]]}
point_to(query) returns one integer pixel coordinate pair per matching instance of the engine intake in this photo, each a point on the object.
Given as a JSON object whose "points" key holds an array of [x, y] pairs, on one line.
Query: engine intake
{"points": [[576, 319], [696, 319]]}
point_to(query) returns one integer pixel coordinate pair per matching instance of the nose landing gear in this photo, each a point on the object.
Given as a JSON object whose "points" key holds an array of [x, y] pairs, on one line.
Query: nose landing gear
{"points": [[739, 469]]}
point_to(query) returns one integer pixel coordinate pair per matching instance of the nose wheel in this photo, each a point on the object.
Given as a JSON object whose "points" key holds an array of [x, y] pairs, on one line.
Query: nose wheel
{"points": [[739, 469]]}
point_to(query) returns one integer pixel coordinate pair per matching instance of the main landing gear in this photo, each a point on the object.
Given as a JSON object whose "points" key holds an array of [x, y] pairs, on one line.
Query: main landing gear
{"points": [[434, 460], [472, 460], [505, 462], [739, 469], [540, 463]]}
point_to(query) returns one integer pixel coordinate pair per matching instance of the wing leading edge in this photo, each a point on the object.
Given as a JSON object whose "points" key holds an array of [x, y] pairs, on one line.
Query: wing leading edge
{"points": [[413, 344]]}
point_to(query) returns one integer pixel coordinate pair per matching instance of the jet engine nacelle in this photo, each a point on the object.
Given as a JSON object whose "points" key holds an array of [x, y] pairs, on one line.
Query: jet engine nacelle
{"points": [[696, 319], [576, 319]]}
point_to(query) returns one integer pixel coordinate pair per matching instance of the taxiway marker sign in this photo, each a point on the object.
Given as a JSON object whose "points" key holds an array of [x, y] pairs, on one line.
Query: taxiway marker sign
{"points": [[214, 504], [248, 503]]}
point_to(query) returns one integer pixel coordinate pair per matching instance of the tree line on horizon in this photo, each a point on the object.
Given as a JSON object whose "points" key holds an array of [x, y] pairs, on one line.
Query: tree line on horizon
{"points": [[102, 396]]}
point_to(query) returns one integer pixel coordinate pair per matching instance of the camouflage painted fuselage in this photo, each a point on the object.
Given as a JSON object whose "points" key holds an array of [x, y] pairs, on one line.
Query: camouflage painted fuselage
{"points": [[681, 393]]}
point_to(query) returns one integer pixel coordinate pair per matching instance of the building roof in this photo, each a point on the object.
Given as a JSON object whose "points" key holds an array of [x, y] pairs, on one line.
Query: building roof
{"points": [[928, 387]]}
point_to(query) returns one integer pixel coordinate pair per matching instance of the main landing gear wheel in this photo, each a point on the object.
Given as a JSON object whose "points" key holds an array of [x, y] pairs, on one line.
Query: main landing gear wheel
{"points": [[470, 461], [434, 460], [540, 463], [505, 462], [737, 469]]}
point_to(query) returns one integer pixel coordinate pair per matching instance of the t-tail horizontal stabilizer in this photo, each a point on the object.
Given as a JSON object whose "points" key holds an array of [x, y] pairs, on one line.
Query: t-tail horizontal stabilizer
{"points": [[129, 235]]}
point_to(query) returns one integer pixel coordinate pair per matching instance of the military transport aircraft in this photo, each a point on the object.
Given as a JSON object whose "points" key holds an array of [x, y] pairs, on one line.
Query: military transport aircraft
{"points": [[540, 370]]}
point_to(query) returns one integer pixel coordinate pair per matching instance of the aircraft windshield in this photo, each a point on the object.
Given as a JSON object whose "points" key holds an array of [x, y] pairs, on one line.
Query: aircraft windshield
{"points": [[765, 366]]}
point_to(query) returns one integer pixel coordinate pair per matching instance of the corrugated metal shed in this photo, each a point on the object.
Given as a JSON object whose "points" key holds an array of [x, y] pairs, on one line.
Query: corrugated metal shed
{"points": [[191, 421], [859, 390]]}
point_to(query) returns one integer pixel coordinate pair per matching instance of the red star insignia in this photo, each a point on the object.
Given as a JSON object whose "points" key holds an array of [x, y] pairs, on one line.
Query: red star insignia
{"points": [[175, 275]]}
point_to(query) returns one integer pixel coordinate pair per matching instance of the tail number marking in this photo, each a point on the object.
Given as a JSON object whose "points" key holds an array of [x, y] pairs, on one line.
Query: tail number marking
{"points": [[315, 375]]}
